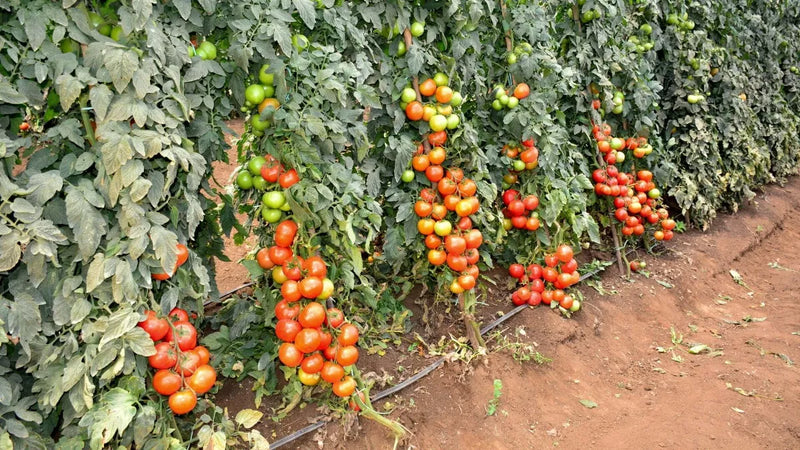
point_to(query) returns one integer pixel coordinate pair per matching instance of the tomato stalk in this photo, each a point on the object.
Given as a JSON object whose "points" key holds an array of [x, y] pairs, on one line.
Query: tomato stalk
{"points": [[467, 302], [614, 236], [415, 83], [87, 122], [369, 412]]}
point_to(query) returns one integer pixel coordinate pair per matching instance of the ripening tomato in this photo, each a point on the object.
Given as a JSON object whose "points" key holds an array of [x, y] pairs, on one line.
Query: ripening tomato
{"points": [[434, 173], [285, 233], [437, 257], [166, 382], [287, 329], [325, 339], [547, 297], [536, 285], [182, 402], [564, 253], [566, 302], [310, 287], [312, 363], [532, 224], [203, 354], [347, 355], [279, 255], [315, 267], [509, 195], [437, 138], [516, 300], [307, 340], [458, 263], [414, 110], [290, 291], [550, 274], [331, 372], [165, 357], [530, 202], [344, 387], [203, 379], [288, 179], [551, 260], [467, 282], [423, 209], [455, 245], [432, 241], [290, 355], [348, 335], [425, 226], [522, 91], [185, 333], [183, 254], [438, 211], [668, 224], [564, 279], [155, 327], [178, 315], [472, 255], [312, 316], [467, 187], [427, 87], [187, 363]]}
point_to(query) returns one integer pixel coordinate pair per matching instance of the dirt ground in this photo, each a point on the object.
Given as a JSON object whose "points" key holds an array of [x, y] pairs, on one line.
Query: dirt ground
{"points": [[622, 374]]}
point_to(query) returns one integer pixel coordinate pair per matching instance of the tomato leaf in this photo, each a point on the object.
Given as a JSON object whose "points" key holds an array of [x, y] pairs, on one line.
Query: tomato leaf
{"points": [[109, 416], [248, 418]]}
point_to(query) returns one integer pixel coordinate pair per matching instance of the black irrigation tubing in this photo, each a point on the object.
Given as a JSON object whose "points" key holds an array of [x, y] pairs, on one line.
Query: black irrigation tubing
{"points": [[418, 376]]}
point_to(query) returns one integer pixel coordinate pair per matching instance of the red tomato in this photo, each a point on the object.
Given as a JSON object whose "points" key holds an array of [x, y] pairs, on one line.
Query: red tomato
{"points": [[310, 287], [203, 379], [315, 267], [335, 317], [182, 402], [516, 270], [564, 253], [312, 316], [348, 335], [288, 179], [332, 372], [165, 358], [203, 353], [307, 340], [347, 356], [287, 329], [290, 355], [312, 363], [344, 387], [284, 311], [166, 382], [285, 233], [155, 327], [177, 315], [185, 333]]}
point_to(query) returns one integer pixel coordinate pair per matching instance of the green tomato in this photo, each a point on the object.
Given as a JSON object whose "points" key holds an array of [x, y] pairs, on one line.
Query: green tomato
{"points": [[438, 122], [672, 19], [597, 14], [526, 48], [401, 48], [441, 79], [273, 199], [104, 29], [271, 215], [690, 25], [255, 94], [648, 46], [587, 16], [513, 102], [265, 77], [618, 109], [300, 42], [408, 176], [504, 99], [269, 91], [258, 124], [692, 98], [116, 33], [518, 165], [408, 95], [209, 49], [327, 289], [633, 39], [511, 59], [620, 157], [286, 207], [496, 105], [499, 91], [191, 51], [244, 180], [646, 28], [95, 19], [417, 28], [453, 121], [69, 46], [640, 48], [457, 99], [576, 306], [254, 166], [617, 143], [654, 193], [260, 183], [507, 224]]}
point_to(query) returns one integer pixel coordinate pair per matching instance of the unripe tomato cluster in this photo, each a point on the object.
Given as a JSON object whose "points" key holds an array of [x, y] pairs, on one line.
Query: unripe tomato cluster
{"points": [[522, 50], [613, 148], [509, 98], [519, 212], [546, 284], [438, 110], [261, 95], [183, 370], [267, 174], [523, 157], [636, 201], [643, 42], [183, 255], [305, 326]]}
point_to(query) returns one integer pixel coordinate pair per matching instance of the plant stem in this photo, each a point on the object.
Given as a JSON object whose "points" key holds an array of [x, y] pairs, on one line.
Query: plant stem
{"points": [[87, 122]]}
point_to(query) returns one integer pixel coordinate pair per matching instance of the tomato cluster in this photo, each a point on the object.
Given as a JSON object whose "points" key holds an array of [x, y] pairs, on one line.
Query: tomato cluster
{"points": [[262, 95], [523, 157], [183, 255], [183, 369], [305, 326], [519, 211], [635, 200], [547, 284], [613, 148], [438, 112], [509, 98], [265, 173]]}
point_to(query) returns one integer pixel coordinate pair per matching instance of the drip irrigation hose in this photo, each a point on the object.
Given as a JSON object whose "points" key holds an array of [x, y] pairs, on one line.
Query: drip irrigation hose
{"points": [[418, 376]]}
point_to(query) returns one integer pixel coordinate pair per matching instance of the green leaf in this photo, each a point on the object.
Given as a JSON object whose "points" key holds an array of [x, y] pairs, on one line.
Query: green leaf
{"points": [[35, 28], [140, 342], [9, 94], [10, 251], [100, 97], [120, 322], [164, 244], [121, 65], [69, 89], [85, 221], [110, 416], [143, 425], [307, 12]]}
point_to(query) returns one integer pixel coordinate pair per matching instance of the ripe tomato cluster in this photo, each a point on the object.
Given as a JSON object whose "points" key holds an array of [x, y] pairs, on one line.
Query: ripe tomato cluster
{"points": [[523, 157], [183, 371], [438, 110], [183, 255], [305, 326], [613, 148], [547, 284], [635, 200], [509, 98], [519, 211]]}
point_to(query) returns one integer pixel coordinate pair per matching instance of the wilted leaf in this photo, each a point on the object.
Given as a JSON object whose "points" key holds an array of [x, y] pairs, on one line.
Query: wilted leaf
{"points": [[589, 404]]}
